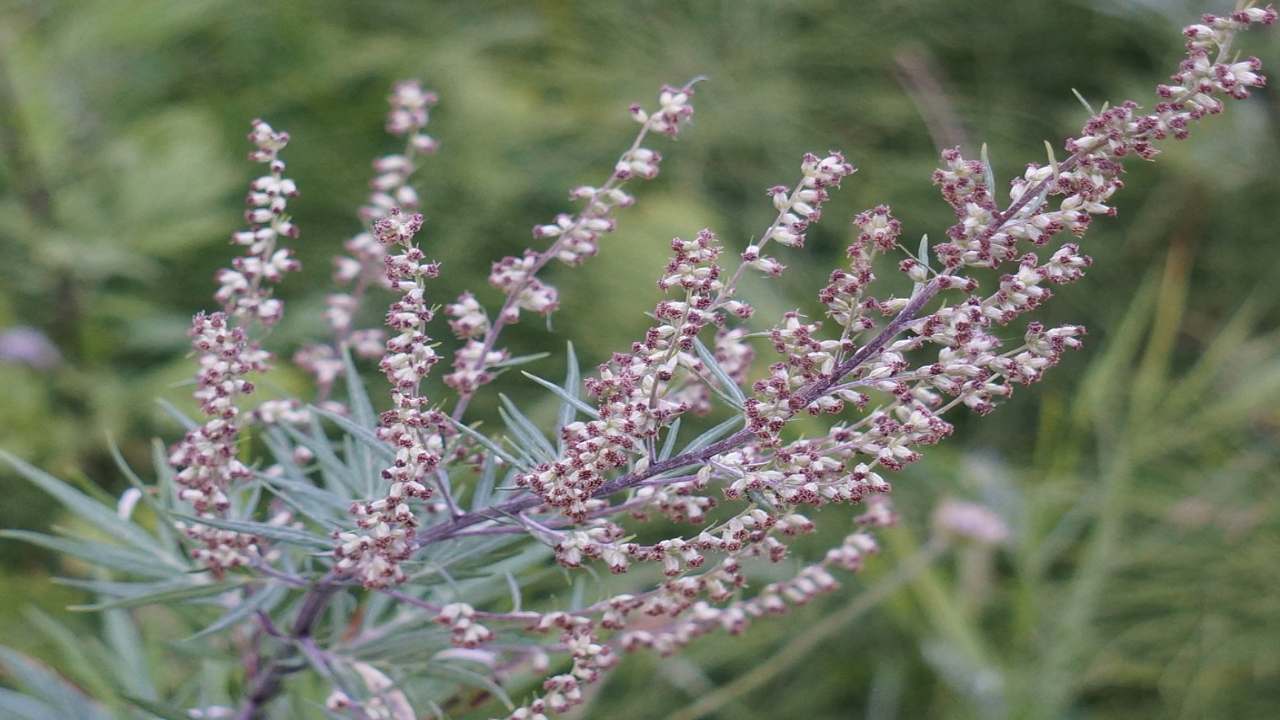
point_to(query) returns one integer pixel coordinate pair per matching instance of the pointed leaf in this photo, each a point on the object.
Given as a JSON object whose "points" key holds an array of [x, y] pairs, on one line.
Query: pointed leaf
{"points": [[570, 401], [101, 554], [101, 516], [287, 535], [728, 386], [167, 596], [524, 428]]}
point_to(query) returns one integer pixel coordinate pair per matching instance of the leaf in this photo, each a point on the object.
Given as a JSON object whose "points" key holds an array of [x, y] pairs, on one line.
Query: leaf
{"points": [[287, 535], [736, 398], [101, 554], [180, 417], [520, 360], [16, 706], [988, 173], [712, 435], [333, 469], [366, 436], [669, 443], [491, 446], [41, 683], [357, 395], [471, 678], [162, 515], [101, 516], [265, 600], [160, 710], [570, 401], [73, 656], [172, 595], [129, 660], [484, 486], [531, 437], [572, 387], [366, 419]]}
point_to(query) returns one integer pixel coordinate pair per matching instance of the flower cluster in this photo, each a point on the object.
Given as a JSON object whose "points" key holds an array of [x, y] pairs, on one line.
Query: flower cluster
{"points": [[632, 404], [880, 371], [364, 265], [245, 287], [575, 237], [207, 456], [411, 426], [206, 459]]}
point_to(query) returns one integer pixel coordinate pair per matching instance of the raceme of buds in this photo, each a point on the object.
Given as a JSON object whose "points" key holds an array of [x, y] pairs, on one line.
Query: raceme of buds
{"points": [[574, 238], [245, 288]]}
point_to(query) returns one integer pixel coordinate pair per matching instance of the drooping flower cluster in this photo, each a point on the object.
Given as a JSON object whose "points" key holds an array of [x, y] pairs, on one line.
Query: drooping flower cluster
{"points": [[575, 237], [245, 287], [411, 426]]}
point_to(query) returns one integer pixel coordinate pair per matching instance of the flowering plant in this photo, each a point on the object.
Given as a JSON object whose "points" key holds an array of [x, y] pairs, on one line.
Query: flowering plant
{"points": [[390, 553]]}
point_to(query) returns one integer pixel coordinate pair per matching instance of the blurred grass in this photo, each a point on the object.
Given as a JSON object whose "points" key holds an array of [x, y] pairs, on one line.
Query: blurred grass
{"points": [[1140, 477]]}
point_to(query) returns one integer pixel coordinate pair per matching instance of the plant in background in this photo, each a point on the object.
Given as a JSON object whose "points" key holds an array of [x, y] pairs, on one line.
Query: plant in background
{"points": [[403, 556]]}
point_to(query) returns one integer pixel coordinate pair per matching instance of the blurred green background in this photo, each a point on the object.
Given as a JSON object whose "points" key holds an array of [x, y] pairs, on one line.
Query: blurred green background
{"points": [[1139, 480]]}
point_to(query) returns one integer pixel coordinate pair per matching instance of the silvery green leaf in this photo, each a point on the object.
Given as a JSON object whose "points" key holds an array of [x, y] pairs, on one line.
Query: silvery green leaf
{"points": [[988, 174], [164, 474], [570, 401], [514, 587], [669, 443], [357, 396], [573, 390], [712, 435], [491, 446], [112, 557], [171, 595], [321, 507], [361, 459], [1088, 107], [73, 654], [163, 530], [287, 535], [484, 486], [130, 665], [366, 436], [159, 709], [16, 706], [520, 360], [178, 416], [47, 688], [332, 469], [99, 515], [471, 678], [727, 387], [531, 438], [265, 599]]}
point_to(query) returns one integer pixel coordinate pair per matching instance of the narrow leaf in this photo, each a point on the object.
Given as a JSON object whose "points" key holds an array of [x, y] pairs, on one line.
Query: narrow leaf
{"points": [[112, 557], [359, 432], [287, 535], [524, 427], [570, 401], [101, 516], [727, 383], [491, 445], [167, 596]]}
